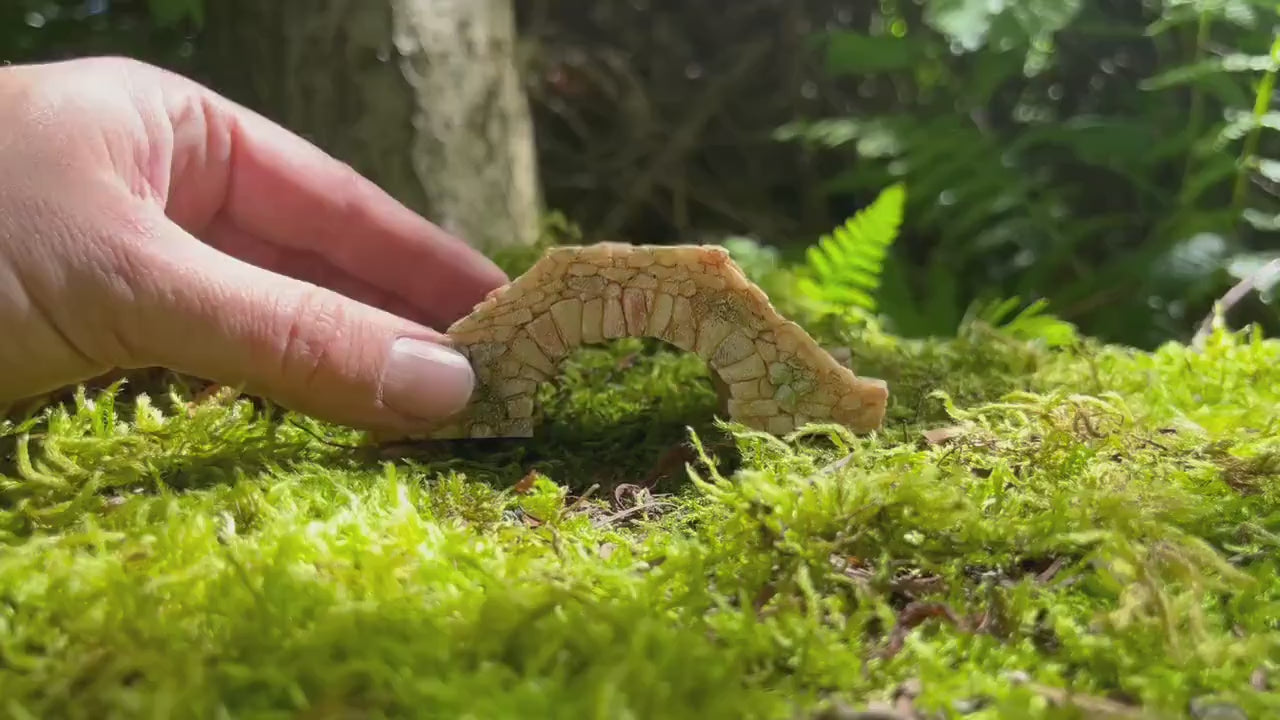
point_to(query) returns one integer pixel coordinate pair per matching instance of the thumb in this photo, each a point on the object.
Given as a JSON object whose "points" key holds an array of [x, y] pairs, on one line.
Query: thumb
{"points": [[310, 349]]}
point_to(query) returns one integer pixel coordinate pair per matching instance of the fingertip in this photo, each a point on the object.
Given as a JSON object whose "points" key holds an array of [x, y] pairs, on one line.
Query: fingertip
{"points": [[426, 381]]}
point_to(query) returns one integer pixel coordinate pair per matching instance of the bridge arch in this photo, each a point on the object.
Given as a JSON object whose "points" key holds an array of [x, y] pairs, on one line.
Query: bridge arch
{"points": [[771, 375]]}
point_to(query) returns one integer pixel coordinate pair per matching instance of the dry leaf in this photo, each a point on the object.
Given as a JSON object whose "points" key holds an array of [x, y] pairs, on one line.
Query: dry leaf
{"points": [[526, 483]]}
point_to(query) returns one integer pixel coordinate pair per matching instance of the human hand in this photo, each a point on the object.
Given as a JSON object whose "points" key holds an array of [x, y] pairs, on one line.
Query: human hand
{"points": [[146, 221]]}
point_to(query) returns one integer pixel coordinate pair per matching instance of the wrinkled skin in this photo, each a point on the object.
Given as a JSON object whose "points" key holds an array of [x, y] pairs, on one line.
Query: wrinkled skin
{"points": [[147, 222]]}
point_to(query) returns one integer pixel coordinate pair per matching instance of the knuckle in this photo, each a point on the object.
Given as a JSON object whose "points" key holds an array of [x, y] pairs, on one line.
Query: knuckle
{"points": [[350, 195], [112, 62], [351, 204], [123, 280], [93, 278], [117, 70], [312, 329]]}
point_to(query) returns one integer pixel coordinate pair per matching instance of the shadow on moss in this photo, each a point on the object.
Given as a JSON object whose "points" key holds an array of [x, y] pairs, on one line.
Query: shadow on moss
{"points": [[618, 413]]}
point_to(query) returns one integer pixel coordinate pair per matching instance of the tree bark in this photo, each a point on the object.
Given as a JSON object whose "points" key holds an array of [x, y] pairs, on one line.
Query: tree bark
{"points": [[422, 96]]}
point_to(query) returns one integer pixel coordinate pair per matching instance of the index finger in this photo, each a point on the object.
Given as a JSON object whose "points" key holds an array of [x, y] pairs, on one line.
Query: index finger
{"points": [[286, 191]]}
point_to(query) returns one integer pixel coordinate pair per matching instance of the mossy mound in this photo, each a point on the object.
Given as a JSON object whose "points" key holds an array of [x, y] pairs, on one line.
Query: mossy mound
{"points": [[1033, 534]]}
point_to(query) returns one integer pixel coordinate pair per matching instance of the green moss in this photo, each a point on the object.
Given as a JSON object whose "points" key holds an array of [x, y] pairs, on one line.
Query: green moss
{"points": [[1099, 520]]}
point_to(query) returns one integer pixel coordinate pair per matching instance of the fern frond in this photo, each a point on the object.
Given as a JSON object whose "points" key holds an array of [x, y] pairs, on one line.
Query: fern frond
{"points": [[1033, 323], [845, 266], [1229, 63]]}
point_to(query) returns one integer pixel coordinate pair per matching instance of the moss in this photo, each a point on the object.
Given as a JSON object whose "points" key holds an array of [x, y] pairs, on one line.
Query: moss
{"points": [[1096, 520]]}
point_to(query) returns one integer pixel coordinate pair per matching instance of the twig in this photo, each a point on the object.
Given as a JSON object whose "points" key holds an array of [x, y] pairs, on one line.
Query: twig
{"points": [[634, 510], [837, 466], [1048, 573], [684, 136], [1094, 707], [914, 615], [582, 498], [1233, 296]]}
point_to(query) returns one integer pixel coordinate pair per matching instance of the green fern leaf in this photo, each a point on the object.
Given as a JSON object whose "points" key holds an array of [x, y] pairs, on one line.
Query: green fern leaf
{"points": [[1032, 323], [1231, 63], [845, 266]]}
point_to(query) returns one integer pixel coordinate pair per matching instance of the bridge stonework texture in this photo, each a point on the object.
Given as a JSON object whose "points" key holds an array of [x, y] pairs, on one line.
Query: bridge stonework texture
{"points": [[770, 374]]}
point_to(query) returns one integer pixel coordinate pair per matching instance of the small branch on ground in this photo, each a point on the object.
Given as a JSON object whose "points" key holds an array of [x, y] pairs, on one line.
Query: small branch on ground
{"points": [[1044, 576], [642, 501], [582, 498], [1093, 706], [911, 585], [621, 515], [1233, 296], [911, 617]]}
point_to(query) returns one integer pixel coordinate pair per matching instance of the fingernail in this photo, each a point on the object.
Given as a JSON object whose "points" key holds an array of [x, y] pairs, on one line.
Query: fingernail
{"points": [[425, 380]]}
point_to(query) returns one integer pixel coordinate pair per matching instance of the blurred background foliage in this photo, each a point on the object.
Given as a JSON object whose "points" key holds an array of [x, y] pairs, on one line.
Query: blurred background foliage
{"points": [[1113, 158]]}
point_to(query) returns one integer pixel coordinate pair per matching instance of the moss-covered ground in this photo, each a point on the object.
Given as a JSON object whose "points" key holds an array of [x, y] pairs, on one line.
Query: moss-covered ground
{"points": [[1090, 532]]}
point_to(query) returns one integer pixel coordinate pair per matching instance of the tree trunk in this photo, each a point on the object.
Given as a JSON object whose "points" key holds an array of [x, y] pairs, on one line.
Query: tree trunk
{"points": [[421, 96]]}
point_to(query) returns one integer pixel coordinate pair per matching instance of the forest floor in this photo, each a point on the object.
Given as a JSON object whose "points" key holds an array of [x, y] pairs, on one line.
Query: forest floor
{"points": [[1083, 533]]}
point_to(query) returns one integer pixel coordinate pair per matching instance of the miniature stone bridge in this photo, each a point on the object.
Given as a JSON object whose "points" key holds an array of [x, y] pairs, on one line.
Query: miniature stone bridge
{"points": [[770, 374]]}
